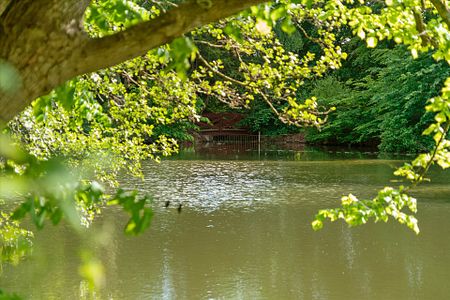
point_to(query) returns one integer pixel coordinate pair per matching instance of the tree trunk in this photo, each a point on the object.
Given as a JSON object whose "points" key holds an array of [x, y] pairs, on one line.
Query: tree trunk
{"points": [[36, 37], [45, 42]]}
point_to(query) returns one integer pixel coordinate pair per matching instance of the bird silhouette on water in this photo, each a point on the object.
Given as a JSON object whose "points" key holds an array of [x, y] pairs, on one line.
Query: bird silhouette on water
{"points": [[180, 206]]}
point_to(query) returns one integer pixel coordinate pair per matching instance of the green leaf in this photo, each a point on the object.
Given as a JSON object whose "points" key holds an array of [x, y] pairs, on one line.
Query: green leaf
{"points": [[234, 32], [287, 26]]}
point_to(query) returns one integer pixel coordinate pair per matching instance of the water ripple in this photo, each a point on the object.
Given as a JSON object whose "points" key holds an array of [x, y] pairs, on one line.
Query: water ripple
{"points": [[213, 185]]}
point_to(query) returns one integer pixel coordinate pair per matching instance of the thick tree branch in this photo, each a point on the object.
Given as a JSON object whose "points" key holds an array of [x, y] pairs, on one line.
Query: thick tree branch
{"points": [[44, 41], [36, 36], [112, 50], [443, 11], [3, 5], [420, 26]]}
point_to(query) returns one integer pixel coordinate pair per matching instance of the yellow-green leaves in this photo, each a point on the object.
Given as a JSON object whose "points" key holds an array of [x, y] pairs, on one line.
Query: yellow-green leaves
{"points": [[420, 27], [105, 17], [388, 203], [266, 70]]}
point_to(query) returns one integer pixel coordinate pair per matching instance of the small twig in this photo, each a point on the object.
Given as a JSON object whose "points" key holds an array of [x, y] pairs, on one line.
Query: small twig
{"points": [[430, 162], [206, 63], [135, 82], [209, 44]]}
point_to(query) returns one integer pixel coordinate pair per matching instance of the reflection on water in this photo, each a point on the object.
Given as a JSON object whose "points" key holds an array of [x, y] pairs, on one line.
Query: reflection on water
{"points": [[244, 233]]}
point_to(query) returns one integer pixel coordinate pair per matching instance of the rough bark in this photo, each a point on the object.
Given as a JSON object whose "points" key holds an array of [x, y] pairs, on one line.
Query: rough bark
{"points": [[45, 42], [36, 37], [3, 5]]}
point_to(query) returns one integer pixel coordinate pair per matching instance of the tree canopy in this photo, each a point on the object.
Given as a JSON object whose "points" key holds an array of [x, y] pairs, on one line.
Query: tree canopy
{"points": [[46, 43]]}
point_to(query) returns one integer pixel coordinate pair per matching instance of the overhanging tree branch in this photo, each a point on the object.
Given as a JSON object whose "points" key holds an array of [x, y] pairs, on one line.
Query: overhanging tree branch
{"points": [[443, 11], [3, 5], [55, 49], [137, 40]]}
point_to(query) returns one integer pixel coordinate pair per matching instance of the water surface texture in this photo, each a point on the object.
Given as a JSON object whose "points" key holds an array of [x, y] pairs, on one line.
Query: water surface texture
{"points": [[244, 233]]}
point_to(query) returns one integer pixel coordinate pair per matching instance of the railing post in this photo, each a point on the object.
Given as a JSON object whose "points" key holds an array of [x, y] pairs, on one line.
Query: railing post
{"points": [[259, 143]]}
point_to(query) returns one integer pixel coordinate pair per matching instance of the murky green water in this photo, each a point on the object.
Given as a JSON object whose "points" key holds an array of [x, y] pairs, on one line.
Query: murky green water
{"points": [[244, 233]]}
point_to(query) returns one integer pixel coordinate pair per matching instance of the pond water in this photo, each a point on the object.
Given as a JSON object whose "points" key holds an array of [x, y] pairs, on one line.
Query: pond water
{"points": [[244, 233]]}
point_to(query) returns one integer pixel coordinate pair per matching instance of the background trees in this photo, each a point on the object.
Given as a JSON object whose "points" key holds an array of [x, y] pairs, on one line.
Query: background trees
{"points": [[380, 96]]}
